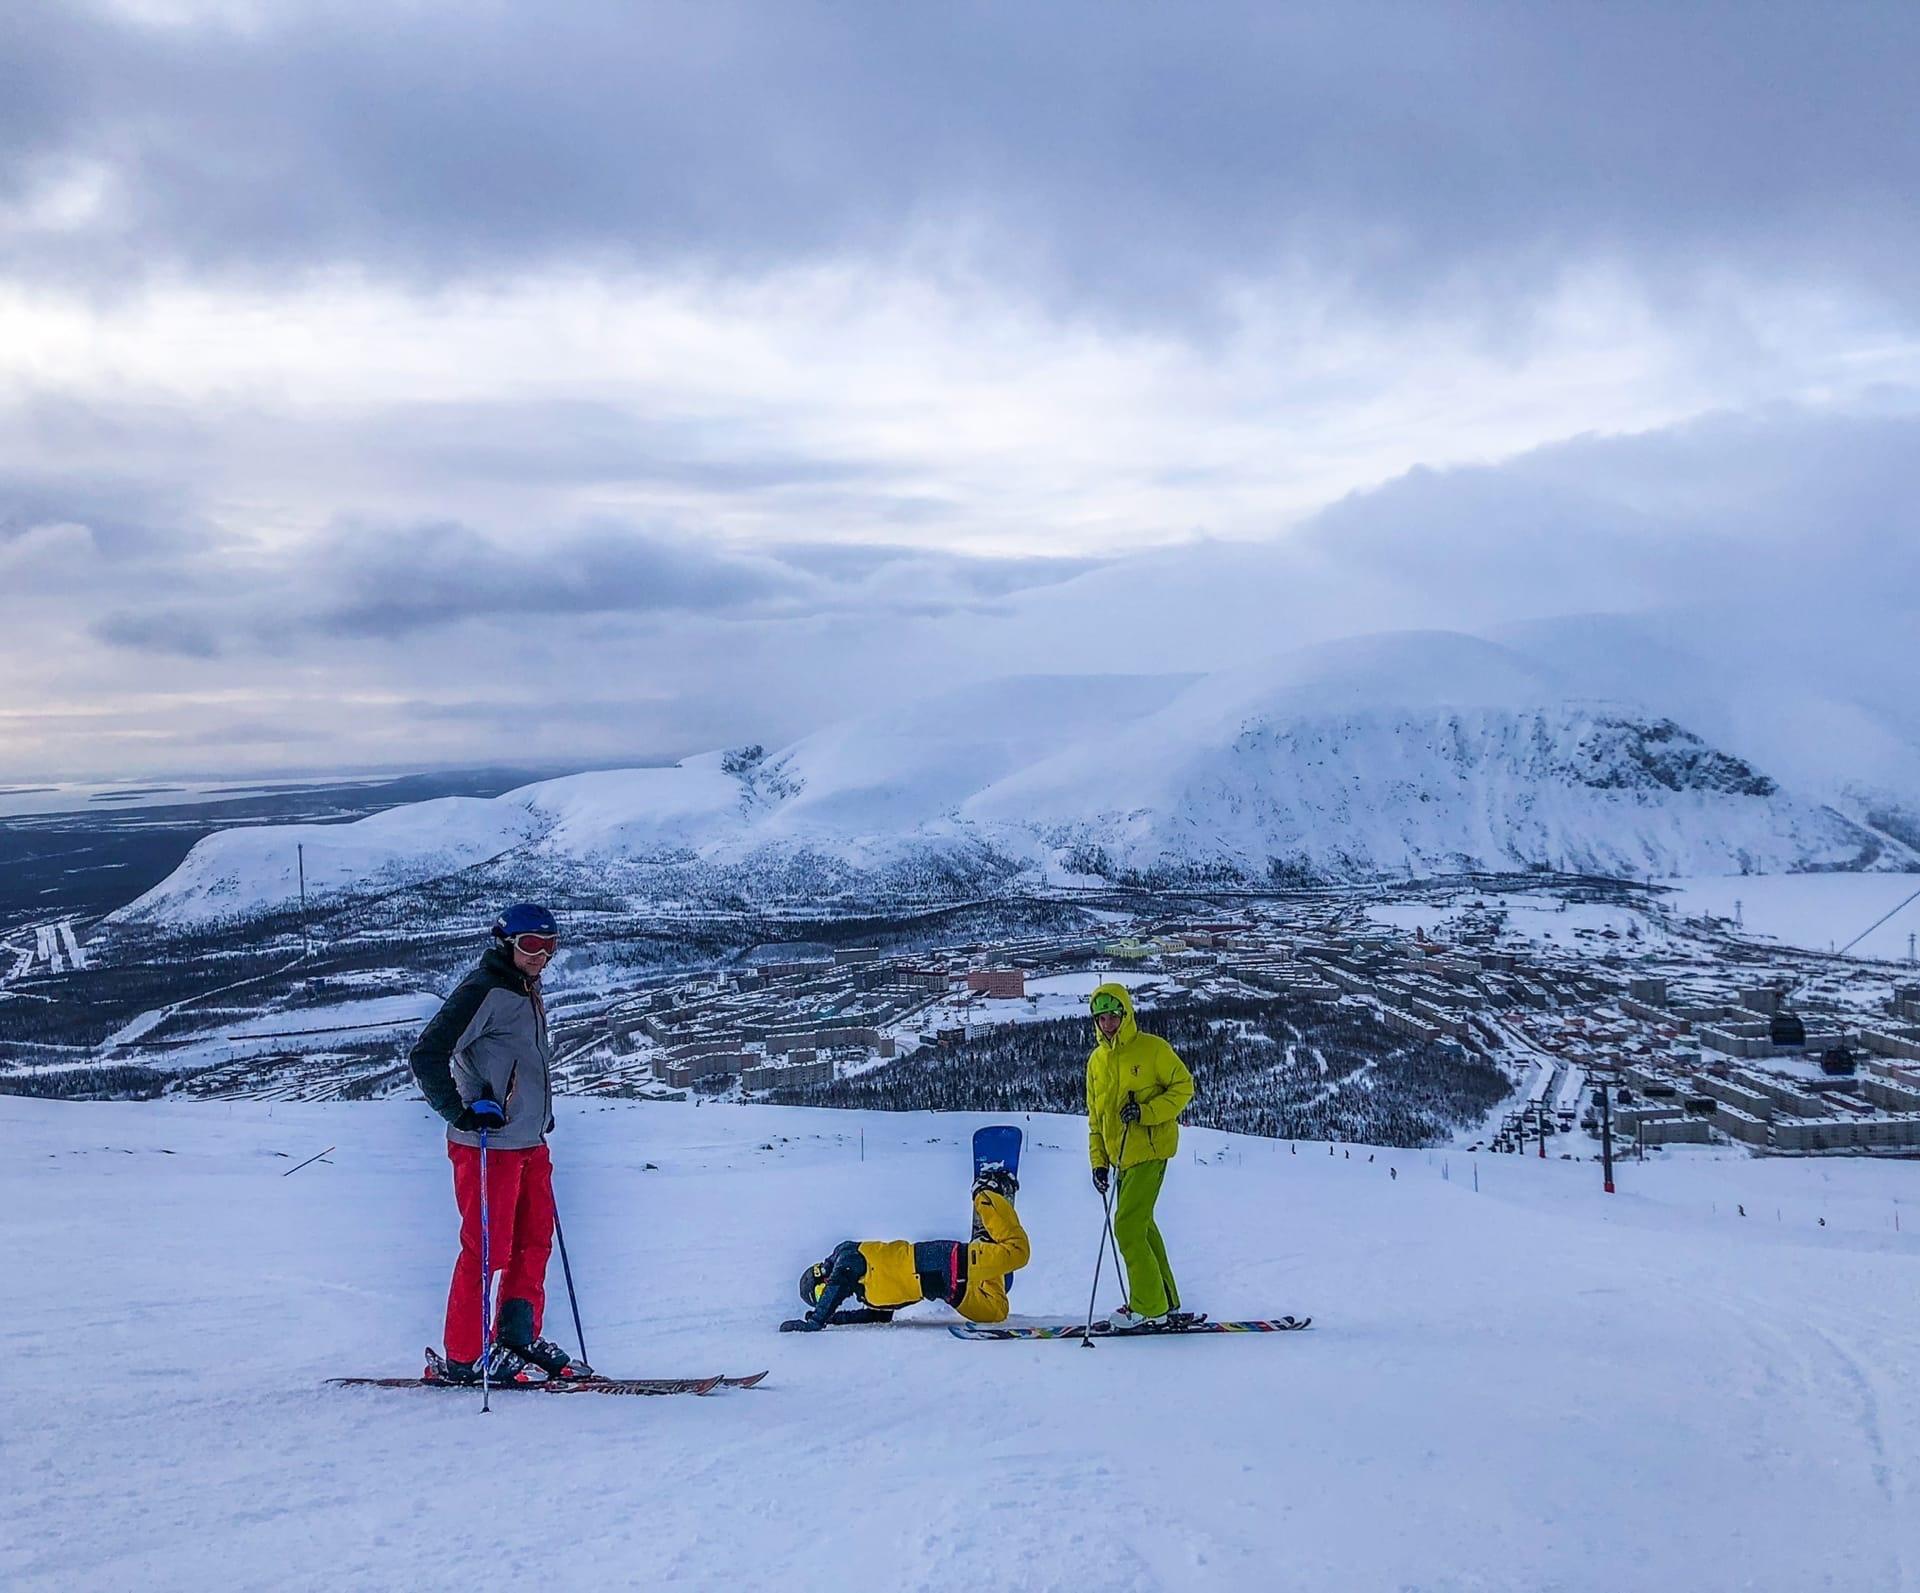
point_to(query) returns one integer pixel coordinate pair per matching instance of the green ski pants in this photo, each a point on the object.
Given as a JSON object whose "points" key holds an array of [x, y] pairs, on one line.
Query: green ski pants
{"points": [[1150, 1285]]}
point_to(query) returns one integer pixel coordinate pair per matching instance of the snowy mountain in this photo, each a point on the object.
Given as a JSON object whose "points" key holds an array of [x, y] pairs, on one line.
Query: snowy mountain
{"points": [[1424, 752], [1513, 1381]]}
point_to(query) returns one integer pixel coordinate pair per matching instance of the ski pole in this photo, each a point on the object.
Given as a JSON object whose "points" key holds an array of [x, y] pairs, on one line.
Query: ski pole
{"points": [[310, 1160], [1119, 1272], [1106, 1233], [486, 1284], [1099, 1262], [573, 1299]]}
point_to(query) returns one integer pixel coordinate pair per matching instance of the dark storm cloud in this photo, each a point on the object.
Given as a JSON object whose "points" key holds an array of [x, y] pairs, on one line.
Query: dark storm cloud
{"points": [[1127, 155]]}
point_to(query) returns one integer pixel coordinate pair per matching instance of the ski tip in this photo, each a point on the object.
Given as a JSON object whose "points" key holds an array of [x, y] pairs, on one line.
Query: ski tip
{"points": [[751, 1380]]}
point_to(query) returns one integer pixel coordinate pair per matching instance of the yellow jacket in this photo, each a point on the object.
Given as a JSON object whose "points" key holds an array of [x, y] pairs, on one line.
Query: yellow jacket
{"points": [[999, 1247], [1147, 1068]]}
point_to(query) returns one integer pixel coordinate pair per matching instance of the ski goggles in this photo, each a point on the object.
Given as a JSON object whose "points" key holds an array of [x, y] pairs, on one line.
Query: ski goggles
{"points": [[1103, 1003], [532, 945]]}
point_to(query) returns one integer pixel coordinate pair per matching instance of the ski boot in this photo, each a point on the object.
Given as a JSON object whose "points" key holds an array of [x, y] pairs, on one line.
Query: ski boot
{"points": [[554, 1361], [1128, 1320], [504, 1365], [515, 1330]]}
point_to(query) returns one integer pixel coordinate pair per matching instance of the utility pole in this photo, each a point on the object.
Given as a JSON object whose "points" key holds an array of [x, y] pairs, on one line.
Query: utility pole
{"points": [[1606, 1137], [1909, 948], [1540, 1122], [301, 853], [1739, 921]]}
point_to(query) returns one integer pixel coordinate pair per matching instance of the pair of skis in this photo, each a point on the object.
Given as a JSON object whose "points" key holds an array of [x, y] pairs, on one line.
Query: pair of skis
{"points": [[1105, 1330], [1188, 1322], [561, 1385]]}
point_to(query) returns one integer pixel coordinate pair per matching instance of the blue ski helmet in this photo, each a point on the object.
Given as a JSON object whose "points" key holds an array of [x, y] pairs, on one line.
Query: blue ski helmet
{"points": [[812, 1281], [524, 918]]}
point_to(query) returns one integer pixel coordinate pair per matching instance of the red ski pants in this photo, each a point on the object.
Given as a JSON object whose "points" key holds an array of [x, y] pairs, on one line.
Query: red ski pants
{"points": [[520, 1215]]}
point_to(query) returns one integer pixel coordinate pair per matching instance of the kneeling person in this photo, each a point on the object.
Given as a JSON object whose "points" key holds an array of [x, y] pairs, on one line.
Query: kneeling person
{"points": [[885, 1274]]}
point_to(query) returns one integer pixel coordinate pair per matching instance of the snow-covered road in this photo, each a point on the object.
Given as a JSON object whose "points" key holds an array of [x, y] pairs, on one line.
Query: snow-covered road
{"points": [[1531, 1387]]}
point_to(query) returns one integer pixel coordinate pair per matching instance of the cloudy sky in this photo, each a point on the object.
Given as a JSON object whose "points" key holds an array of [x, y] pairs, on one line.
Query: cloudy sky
{"points": [[407, 383]]}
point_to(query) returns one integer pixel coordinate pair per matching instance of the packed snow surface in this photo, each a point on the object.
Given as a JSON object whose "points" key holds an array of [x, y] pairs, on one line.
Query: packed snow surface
{"points": [[1525, 1387]]}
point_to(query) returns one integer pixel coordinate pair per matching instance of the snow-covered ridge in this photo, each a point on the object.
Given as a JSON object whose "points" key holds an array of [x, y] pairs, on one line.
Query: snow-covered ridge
{"points": [[1422, 752], [239, 872]]}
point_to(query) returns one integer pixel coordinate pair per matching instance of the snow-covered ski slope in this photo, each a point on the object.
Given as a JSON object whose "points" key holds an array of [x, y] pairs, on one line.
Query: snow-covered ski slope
{"points": [[1528, 1387], [1429, 752]]}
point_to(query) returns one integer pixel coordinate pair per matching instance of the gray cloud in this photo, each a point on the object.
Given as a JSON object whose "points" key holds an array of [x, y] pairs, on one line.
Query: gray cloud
{"points": [[1131, 156], [574, 441], [160, 631], [1793, 524], [364, 582], [389, 582], [575, 398], [129, 517], [1810, 507], [897, 569], [611, 643]]}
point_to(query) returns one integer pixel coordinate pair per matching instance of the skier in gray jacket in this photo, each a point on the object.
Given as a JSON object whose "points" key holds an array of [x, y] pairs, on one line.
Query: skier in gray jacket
{"points": [[483, 1064]]}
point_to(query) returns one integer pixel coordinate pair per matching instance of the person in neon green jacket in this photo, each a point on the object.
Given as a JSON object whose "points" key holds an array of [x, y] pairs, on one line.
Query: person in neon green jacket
{"points": [[1137, 1087]]}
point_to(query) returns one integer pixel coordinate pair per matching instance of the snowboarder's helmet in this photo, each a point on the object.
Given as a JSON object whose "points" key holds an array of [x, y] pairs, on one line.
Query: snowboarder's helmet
{"points": [[1106, 1001], [524, 918], [812, 1281], [998, 1179]]}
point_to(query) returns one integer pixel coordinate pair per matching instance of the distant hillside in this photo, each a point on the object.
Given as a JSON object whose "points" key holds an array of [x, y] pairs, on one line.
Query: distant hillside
{"points": [[1421, 752]]}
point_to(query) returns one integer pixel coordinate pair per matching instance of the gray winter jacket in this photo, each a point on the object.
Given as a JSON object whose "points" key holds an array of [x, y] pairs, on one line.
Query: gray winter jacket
{"points": [[490, 1039]]}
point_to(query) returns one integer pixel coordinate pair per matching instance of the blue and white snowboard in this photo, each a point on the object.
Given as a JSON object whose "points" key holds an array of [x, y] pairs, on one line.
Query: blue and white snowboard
{"points": [[997, 1145]]}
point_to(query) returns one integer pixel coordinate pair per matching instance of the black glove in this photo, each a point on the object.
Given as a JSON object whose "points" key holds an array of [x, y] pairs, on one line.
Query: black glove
{"points": [[1100, 1176], [481, 1114], [1130, 1113]]}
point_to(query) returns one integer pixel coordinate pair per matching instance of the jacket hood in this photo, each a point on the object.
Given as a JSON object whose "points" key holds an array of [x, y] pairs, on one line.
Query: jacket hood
{"points": [[1128, 1028], [497, 959]]}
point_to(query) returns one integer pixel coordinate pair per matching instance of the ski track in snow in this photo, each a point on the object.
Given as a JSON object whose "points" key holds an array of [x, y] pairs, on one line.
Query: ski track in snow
{"points": [[75, 956], [1534, 1387]]}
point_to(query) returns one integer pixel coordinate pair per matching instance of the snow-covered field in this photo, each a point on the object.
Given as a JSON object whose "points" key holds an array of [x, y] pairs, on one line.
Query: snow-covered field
{"points": [[1539, 917], [1821, 912], [1527, 1387], [1048, 998], [229, 1037]]}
